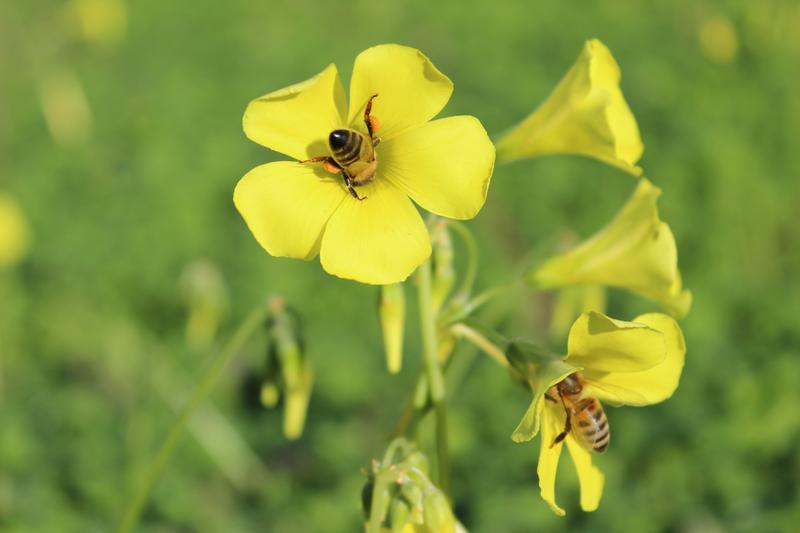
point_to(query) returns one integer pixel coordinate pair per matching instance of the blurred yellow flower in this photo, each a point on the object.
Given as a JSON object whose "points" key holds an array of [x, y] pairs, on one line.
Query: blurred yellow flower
{"points": [[66, 109], [99, 21], [586, 114], [14, 232], [635, 251], [619, 363], [299, 210], [718, 39]]}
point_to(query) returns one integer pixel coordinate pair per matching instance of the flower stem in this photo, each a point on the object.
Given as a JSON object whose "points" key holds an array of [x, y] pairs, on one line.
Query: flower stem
{"points": [[479, 341], [136, 505], [433, 371], [472, 256]]}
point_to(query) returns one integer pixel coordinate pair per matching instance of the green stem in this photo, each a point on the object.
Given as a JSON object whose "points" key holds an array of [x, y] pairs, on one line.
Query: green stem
{"points": [[434, 372], [472, 256], [479, 341], [136, 505]]}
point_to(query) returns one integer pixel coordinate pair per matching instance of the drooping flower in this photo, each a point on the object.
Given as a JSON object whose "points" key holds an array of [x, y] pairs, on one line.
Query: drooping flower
{"points": [[585, 114], [14, 231], [619, 363], [297, 209], [635, 251]]}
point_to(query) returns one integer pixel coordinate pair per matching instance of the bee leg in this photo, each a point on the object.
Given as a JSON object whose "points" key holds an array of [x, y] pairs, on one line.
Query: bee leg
{"points": [[318, 159], [567, 427], [328, 163], [348, 181], [370, 121]]}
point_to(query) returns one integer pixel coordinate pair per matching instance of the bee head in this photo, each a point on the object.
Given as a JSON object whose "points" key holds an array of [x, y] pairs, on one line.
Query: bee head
{"points": [[338, 139]]}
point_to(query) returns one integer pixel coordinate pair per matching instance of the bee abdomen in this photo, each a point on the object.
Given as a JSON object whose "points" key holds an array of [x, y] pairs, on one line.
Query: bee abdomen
{"points": [[345, 146], [592, 425]]}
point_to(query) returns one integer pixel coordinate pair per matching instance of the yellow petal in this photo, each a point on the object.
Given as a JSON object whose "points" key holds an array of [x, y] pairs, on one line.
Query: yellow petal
{"points": [[635, 251], [296, 120], [378, 240], [552, 425], [586, 114], [14, 232], [601, 344], [589, 476], [286, 205], [572, 301], [648, 386], [445, 165], [410, 89]]}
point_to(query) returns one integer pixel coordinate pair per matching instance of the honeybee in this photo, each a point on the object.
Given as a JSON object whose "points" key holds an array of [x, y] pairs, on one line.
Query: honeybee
{"points": [[585, 416], [353, 153]]}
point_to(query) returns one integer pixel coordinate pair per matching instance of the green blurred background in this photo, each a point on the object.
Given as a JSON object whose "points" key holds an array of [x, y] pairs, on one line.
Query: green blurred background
{"points": [[121, 140]]}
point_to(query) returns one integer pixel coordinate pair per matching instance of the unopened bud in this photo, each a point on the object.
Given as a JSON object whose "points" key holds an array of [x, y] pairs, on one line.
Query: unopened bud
{"points": [[269, 395], [444, 275], [296, 377], [392, 310], [399, 515], [437, 514], [206, 297]]}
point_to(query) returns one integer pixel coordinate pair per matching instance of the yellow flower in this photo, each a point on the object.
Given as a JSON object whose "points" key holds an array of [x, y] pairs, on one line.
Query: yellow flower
{"points": [[297, 209], [99, 21], [14, 232], [635, 251], [586, 114], [621, 363]]}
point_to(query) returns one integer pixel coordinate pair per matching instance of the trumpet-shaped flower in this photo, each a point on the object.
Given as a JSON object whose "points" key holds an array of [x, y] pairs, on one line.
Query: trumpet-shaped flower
{"points": [[372, 234], [14, 233], [619, 363], [635, 251], [586, 114]]}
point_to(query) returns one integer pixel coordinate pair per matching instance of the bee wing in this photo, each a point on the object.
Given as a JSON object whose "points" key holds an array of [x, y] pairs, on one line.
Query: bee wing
{"points": [[614, 395]]}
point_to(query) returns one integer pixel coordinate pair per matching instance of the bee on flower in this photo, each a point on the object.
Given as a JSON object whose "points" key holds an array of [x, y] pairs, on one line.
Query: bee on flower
{"points": [[347, 196], [608, 361]]}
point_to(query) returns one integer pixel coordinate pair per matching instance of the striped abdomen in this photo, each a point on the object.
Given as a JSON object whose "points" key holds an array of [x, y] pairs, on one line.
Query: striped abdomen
{"points": [[589, 424], [346, 146]]}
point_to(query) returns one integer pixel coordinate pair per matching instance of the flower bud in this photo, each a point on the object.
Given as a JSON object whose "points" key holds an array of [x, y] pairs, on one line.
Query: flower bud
{"points": [[392, 311], [399, 496], [206, 297], [399, 514], [286, 355], [14, 232], [444, 275]]}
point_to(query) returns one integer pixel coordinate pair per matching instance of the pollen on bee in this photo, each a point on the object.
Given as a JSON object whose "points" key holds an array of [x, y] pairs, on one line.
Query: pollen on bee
{"points": [[330, 167], [374, 123]]}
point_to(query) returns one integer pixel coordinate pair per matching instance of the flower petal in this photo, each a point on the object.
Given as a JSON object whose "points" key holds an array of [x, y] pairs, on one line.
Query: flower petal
{"points": [[445, 165], [286, 205], [379, 240], [589, 476], [296, 120], [552, 425], [410, 89], [585, 114], [648, 386], [601, 344]]}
